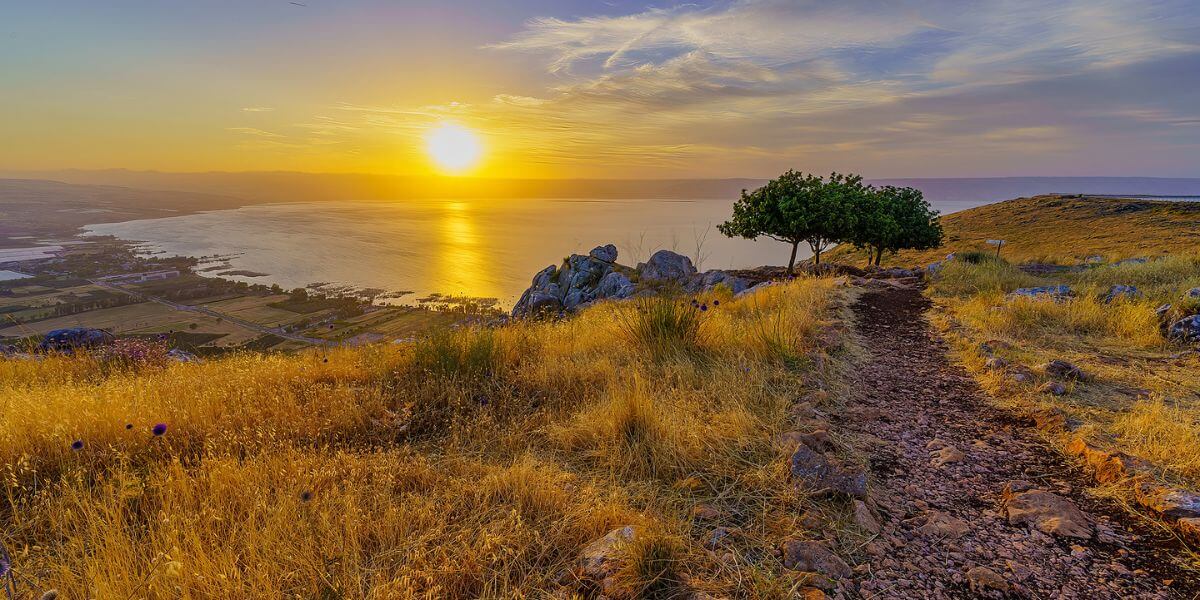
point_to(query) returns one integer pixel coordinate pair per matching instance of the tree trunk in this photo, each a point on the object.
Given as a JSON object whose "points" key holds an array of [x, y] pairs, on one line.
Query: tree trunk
{"points": [[792, 260]]}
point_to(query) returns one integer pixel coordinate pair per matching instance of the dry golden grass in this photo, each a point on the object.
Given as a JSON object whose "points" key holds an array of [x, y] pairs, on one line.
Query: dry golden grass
{"points": [[1145, 399], [1064, 229], [475, 463]]}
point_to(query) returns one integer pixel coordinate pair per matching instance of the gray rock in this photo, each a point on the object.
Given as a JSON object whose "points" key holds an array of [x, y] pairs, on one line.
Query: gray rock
{"points": [[1122, 291], [1057, 292], [1131, 261], [1066, 370], [601, 559], [606, 253], [753, 289], [575, 298], [1162, 311], [709, 280], [814, 557], [1186, 329], [665, 265], [614, 286], [1192, 293], [1053, 388], [817, 471], [183, 356], [934, 268], [540, 302]]}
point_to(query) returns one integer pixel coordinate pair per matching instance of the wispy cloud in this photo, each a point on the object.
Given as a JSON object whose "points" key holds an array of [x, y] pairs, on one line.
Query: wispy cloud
{"points": [[746, 86], [257, 109]]}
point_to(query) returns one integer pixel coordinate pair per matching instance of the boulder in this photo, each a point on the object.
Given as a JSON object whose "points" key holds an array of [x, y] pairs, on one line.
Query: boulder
{"points": [[1186, 329], [615, 286], [576, 284], [1192, 293], [1055, 292], [814, 557], [1118, 291], [666, 265], [825, 475], [1044, 511], [606, 253]]}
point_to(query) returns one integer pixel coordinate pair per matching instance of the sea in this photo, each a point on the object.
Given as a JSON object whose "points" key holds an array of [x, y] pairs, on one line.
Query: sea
{"points": [[490, 248]]}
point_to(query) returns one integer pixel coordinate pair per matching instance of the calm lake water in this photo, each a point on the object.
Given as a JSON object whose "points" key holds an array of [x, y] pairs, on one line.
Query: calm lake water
{"points": [[479, 248]]}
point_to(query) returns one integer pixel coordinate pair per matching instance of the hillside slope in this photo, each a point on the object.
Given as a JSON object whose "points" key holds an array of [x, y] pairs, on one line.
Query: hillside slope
{"points": [[1064, 229]]}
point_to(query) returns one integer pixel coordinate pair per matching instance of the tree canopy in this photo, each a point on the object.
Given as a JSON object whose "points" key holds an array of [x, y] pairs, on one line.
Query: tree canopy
{"points": [[895, 218], [798, 207]]}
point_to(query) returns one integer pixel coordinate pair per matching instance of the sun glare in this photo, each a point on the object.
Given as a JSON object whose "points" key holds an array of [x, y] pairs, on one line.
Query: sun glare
{"points": [[453, 147]]}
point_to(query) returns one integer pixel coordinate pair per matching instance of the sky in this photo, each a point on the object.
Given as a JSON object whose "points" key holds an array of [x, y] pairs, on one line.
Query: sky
{"points": [[567, 88]]}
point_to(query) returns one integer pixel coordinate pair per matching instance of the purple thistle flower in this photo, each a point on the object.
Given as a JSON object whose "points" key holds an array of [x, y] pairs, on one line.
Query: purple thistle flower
{"points": [[159, 429], [305, 496], [77, 445], [5, 565], [716, 302], [703, 307]]}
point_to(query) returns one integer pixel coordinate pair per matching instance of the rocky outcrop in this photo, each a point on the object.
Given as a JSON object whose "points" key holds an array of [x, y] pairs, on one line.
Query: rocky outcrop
{"points": [[578, 281], [581, 280]]}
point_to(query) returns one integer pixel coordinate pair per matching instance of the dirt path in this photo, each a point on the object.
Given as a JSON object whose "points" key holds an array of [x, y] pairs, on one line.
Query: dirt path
{"points": [[942, 513]]}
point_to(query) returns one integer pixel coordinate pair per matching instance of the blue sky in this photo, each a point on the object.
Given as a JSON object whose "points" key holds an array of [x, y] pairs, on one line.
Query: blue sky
{"points": [[608, 89]]}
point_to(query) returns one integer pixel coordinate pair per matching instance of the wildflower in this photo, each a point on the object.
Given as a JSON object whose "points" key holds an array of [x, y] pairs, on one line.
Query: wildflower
{"points": [[77, 445], [129, 426], [716, 302], [159, 429], [325, 360], [305, 496], [5, 566], [703, 307]]}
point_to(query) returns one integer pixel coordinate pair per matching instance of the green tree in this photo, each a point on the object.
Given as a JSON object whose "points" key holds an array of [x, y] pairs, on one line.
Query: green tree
{"points": [[798, 207], [894, 218]]}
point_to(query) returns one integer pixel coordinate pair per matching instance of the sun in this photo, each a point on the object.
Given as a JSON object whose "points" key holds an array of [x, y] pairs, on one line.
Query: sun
{"points": [[453, 147]]}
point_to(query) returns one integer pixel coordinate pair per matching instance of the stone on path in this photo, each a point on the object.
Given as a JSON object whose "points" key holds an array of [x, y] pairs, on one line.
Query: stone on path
{"points": [[1045, 511], [814, 557], [982, 579]]}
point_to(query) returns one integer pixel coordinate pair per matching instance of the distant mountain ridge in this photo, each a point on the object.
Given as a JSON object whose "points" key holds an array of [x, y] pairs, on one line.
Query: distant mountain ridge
{"points": [[257, 187]]}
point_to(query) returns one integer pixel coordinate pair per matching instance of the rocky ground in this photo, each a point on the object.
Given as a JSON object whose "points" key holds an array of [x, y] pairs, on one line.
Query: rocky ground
{"points": [[967, 500]]}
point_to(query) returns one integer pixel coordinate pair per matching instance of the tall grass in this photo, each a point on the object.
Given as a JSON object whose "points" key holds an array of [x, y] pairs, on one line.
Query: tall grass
{"points": [[664, 327], [472, 463], [962, 279], [1128, 323]]}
